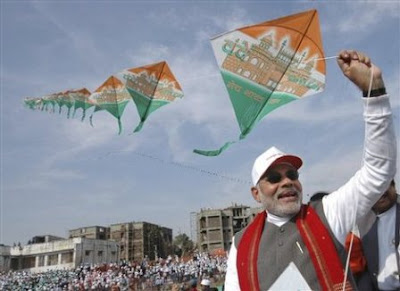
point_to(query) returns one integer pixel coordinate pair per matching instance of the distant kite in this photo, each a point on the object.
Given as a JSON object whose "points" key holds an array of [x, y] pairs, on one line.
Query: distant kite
{"points": [[267, 65], [150, 87]]}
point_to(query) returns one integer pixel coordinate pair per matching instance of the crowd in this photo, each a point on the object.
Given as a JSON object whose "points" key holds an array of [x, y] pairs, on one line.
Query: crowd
{"points": [[172, 273]]}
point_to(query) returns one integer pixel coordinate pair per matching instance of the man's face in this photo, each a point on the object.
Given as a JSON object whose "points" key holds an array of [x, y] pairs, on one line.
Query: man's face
{"points": [[387, 200], [282, 197]]}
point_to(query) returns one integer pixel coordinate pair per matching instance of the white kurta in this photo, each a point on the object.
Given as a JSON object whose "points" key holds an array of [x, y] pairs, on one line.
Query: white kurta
{"points": [[361, 192]]}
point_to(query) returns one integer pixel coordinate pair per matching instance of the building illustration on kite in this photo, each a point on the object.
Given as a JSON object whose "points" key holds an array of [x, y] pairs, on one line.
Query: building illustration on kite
{"points": [[275, 69], [152, 87]]}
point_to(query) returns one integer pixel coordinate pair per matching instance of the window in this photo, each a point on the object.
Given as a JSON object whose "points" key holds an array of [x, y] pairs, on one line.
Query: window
{"points": [[67, 257], [87, 253], [52, 260], [41, 261], [254, 61], [100, 253], [246, 74]]}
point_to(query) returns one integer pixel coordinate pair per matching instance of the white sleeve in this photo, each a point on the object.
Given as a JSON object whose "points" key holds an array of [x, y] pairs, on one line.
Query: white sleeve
{"points": [[231, 278], [360, 193]]}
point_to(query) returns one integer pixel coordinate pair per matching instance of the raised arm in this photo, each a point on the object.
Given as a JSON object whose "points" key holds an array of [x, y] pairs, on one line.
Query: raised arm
{"points": [[356, 197]]}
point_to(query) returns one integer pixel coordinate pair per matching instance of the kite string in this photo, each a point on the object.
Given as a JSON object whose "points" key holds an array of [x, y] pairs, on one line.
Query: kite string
{"points": [[327, 58], [354, 227], [178, 164]]}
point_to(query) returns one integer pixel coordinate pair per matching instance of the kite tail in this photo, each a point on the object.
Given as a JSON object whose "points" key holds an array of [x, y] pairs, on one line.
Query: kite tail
{"points": [[119, 125], [68, 112], [214, 153], [83, 115], [91, 120], [139, 127]]}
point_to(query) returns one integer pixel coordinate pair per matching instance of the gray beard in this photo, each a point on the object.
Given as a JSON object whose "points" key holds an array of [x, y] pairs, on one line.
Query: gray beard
{"points": [[273, 206]]}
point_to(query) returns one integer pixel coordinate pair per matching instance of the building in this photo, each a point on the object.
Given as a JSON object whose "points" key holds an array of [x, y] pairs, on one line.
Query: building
{"points": [[5, 257], [94, 232], [277, 69], [216, 227], [44, 238], [58, 254], [138, 240]]}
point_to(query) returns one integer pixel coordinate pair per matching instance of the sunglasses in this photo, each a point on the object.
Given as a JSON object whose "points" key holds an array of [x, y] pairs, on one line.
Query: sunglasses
{"points": [[274, 177]]}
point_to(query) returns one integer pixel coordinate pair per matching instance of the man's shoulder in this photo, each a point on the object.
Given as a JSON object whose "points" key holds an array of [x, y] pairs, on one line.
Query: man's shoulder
{"points": [[238, 236]]}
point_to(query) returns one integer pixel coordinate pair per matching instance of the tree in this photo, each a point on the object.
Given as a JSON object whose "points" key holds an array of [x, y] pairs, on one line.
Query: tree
{"points": [[182, 245]]}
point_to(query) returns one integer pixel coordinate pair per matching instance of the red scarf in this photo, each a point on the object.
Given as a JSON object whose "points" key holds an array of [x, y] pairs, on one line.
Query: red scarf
{"points": [[327, 264]]}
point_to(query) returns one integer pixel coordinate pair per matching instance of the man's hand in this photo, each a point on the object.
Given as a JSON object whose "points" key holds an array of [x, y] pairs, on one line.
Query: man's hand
{"points": [[357, 67]]}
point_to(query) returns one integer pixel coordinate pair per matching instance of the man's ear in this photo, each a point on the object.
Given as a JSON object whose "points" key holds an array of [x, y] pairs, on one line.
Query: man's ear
{"points": [[256, 194]]}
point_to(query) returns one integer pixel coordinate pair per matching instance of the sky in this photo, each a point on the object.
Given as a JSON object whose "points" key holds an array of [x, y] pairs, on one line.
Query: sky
{"points": [[59, 174]]}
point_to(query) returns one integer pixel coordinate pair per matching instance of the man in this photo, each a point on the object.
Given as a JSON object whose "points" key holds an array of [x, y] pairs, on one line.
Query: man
{"points": [[291, 243], [206, 285], [380, 243]]}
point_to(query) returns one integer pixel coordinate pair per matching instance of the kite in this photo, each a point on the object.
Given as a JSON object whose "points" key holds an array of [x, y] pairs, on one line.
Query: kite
{"points": [[111, 96], [81, 97], [33, 103], [267, 65], [64, 99], [71, 98], [150, 87]]}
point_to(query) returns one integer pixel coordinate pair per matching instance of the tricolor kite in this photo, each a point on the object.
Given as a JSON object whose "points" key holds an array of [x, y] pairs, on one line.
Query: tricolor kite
{"points": [[150, 87], [267, 65]]}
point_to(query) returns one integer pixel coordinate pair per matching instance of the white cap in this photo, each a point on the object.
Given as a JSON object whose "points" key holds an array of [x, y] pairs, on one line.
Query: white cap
{"points": [[205, 282], [270, 157]]}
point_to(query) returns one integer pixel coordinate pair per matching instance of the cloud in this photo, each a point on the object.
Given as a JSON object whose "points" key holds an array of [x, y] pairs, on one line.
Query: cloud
{"points": [[81, 172], [361, 18], [72, 36]]}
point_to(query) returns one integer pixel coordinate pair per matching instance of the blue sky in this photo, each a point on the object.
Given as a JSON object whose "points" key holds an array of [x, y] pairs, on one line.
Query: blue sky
{"points": [[59, 174]]}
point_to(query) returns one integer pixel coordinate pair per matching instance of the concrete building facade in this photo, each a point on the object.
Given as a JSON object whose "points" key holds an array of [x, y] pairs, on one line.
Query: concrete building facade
{"points": [[58, 254], [94, 232], [216, 227], [138, 240]]}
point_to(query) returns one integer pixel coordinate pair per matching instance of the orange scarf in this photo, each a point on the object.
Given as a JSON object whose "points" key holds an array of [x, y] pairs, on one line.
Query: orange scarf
{"points": [[317, 239]]}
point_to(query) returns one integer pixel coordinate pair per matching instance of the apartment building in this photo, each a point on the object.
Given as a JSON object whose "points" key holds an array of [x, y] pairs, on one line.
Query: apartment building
{"points": [[138, 240], [56, 254], [216, 227], [94, 232]]}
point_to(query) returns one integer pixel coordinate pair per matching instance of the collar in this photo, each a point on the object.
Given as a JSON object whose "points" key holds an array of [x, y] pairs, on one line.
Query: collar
{"points": [[387, 212], [277, 220]]}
